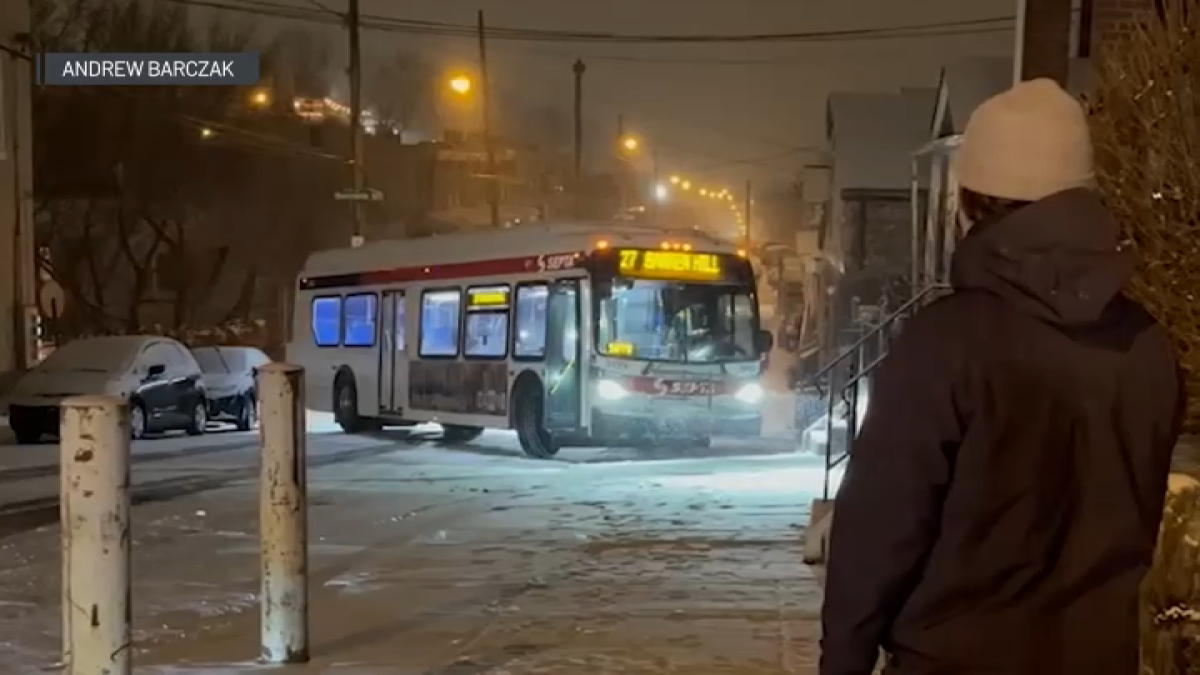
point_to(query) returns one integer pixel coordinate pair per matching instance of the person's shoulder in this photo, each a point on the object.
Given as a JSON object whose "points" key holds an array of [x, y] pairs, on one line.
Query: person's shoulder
{"points": [[950, 314], [1142, 325]]}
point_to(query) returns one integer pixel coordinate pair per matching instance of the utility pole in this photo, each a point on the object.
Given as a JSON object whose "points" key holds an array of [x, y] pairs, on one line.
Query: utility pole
{"points": [[654, 194], [623, 167], [580, 68], [749, 209], [486, 102], [356, 139]]}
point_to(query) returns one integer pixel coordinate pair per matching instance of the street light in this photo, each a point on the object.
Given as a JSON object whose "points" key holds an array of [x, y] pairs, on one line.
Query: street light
{"points": [[461, 84], [630, 143], [686, 185], [260, 98], [207, 133], [675, 180], [703, 192]]}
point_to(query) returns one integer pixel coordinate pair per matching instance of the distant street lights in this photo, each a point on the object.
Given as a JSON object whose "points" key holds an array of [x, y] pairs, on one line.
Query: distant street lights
{"points": [[461, 85], [260, 98]]}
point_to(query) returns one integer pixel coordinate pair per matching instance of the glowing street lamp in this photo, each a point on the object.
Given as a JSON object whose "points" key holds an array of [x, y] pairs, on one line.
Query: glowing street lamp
{"points": [[661, 192], [703, 192], [630, 143], [461, 85], [675, 180], [207, 133], [260, 98], [686, 185]]}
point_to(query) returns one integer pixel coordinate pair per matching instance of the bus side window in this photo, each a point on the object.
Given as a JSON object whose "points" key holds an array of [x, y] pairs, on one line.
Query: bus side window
{"points": [[485, 334], [359, 320], [327, 321], [529, 326], [440, 311]]}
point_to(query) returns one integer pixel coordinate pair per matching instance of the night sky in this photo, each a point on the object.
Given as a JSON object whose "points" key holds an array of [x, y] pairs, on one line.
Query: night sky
{"points": [[704, 112]]}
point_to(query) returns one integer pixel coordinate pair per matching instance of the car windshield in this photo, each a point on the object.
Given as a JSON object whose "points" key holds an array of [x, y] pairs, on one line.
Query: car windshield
{"points": [[91, 355], [672, 321], [214, 360]]}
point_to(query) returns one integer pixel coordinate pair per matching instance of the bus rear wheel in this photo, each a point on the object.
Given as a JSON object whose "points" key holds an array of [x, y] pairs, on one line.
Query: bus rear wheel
{"points": [[535, 440]]}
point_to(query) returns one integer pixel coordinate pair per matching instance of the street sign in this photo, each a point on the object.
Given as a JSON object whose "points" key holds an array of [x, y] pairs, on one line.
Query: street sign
{"points": [[368, 195]]}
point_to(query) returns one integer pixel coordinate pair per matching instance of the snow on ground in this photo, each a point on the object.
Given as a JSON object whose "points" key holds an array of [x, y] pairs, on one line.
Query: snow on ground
{"points": [[427, 559]]}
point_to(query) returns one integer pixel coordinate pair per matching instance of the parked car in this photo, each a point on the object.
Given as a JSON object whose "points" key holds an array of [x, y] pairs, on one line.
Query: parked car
{"points": [[157, 375], [229, 382]]}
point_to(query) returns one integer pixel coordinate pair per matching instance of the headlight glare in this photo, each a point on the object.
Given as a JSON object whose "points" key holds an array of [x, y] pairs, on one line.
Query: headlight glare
{"points": [[610, 390], [750, 393]]}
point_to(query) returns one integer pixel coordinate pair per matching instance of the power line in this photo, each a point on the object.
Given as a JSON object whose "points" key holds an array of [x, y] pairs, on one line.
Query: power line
{"points": [[434, 28]]}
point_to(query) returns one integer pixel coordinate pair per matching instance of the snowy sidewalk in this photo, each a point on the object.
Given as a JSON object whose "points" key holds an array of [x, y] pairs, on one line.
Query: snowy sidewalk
{"points": [[437, 561]]}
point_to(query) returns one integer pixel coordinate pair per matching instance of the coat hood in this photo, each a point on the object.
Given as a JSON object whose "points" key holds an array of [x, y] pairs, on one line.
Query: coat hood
{"points": [[1058, 259]]}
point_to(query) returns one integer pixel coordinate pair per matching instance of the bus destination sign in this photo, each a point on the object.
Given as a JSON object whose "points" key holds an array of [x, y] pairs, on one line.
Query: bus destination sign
{"points": [[669, 264]]}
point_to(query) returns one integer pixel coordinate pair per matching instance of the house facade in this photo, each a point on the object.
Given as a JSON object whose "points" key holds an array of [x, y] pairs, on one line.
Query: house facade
{"points": [[864, 240]]}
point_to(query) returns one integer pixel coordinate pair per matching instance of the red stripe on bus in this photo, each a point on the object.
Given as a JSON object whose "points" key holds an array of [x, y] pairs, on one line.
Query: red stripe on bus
{"points": [[479, 268]]}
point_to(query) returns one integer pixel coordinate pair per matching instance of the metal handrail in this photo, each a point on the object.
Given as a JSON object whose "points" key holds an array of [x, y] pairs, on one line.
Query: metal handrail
{"points": [[913, 302], [862, 367]]}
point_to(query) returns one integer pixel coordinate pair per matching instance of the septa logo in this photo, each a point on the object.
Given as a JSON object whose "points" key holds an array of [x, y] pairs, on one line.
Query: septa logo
{"points": [[558, 261]]}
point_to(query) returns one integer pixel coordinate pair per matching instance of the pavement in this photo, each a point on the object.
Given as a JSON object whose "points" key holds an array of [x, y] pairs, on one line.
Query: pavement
{"points": [[451, 560], [429, 559]]}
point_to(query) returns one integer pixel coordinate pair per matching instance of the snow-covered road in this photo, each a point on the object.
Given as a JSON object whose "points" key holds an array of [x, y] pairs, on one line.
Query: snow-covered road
{"points": [[427, 559]]}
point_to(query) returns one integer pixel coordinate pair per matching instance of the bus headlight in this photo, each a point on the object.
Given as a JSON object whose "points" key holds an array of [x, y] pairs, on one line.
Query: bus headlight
{"points": [[610, 390], [750, 393]]}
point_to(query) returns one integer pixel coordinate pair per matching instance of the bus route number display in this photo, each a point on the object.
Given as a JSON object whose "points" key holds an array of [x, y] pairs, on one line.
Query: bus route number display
{"points": [[669, 264]]}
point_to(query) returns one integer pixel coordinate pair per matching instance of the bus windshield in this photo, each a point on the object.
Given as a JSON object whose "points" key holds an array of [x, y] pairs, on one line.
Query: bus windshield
{"points": [[676, 321]]}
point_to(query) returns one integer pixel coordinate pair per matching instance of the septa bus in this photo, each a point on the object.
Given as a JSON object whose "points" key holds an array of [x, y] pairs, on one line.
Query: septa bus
{"points": [[571, 334]]}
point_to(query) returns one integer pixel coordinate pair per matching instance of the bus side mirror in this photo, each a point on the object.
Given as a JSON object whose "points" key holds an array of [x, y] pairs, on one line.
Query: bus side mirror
{"points": [[765, 342]]}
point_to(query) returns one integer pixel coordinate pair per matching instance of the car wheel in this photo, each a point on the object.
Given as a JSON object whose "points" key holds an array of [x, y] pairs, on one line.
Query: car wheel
{"points": [[137, 421], [25, 434], [247, 414], [198, 420]]}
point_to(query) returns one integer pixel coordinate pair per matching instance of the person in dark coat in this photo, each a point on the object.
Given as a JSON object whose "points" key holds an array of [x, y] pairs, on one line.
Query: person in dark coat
{"points": [[1002, 500]]}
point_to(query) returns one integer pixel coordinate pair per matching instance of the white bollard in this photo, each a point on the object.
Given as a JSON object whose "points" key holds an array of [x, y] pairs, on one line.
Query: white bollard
{"points": [[283, 515], [94, 513]]}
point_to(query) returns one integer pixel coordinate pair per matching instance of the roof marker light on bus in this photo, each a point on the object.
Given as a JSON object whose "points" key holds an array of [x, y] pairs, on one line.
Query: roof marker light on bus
{"points": [[666, 246], [687, 247]]}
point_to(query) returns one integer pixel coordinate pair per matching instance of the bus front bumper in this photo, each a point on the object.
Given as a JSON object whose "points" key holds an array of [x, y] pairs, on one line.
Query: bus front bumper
{"points": [[610, 427]]}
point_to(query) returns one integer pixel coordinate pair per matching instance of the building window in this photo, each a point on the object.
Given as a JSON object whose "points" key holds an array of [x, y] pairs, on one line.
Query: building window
{"points": [[327, 321], [359, 320], [486, 333], [439, 322], [530, 324]]}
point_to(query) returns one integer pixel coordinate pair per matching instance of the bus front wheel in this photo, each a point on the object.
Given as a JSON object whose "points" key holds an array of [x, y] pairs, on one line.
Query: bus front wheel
{"points": [[345, 406], [535, 440]]}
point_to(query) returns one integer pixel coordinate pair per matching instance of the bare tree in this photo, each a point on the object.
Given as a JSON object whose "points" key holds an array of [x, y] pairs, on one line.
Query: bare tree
{"points": [[1143, 113]]}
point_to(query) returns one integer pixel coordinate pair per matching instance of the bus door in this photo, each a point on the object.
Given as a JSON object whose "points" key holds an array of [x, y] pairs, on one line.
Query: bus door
{"points": [[563, 356], [393, 360]]}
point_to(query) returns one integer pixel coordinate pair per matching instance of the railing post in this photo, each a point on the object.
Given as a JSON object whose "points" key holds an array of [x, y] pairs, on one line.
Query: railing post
{"points": [[94, 512], [831, 394], [283, 515]]}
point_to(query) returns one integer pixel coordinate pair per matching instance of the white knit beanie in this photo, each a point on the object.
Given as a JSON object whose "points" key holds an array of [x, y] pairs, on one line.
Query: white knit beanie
{"points": [[1026, 144]]}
